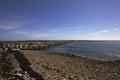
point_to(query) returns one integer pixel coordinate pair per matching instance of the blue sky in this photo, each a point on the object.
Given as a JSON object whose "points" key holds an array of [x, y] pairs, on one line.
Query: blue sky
{"points": [[59, 19]]}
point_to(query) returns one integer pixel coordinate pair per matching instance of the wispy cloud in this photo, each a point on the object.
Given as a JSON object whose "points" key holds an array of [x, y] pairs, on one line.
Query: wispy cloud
{"points": [[116, 29], [104, 31], [54, 30], [32, 35], [21, 32], [107, 34], [10, 26], [99, 32]]}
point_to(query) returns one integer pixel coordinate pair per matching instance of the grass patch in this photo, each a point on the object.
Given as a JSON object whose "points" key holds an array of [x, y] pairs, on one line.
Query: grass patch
{"points": [[2, 66], [1, 78], [0, 56]]}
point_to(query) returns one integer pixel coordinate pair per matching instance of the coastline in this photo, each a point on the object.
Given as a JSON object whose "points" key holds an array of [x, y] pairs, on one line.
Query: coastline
{"points": [[60, 66], [35, 64]]}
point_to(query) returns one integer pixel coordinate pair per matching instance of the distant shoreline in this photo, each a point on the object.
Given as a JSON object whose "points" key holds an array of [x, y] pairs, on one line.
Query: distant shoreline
{"points": [[53, 40]]}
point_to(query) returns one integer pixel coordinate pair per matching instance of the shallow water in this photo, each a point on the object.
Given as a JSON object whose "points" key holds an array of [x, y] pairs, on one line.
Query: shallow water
{"points": [[97, 50]]}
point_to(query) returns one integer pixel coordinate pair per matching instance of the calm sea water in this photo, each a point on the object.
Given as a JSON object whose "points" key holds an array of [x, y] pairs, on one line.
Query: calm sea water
{"points": [[97, 50]]}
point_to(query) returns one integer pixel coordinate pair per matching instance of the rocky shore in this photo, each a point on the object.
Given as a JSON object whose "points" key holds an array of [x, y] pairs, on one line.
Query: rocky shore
{"points": [[38, 65], [8, 56], [31, 45]]}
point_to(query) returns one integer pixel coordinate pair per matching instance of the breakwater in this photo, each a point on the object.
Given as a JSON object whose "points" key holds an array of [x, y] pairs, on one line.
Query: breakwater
{"points": [[29, 45]]}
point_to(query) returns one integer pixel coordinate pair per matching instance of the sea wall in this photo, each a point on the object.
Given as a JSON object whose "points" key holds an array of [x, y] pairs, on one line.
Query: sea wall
{"points": [[30, 45]]}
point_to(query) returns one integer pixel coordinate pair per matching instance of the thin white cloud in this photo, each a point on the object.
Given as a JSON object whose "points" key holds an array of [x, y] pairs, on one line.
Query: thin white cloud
{"points": [[32, 35], [104, 31], [115, 29], [99, 32], [22, 32], [42, 36], [95, 33], [102, 35], [54, 30], [108, 37], [10, 26]]}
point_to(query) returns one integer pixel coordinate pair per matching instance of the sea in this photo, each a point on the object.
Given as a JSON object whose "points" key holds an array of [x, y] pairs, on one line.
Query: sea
{"points": [[100, 50]]}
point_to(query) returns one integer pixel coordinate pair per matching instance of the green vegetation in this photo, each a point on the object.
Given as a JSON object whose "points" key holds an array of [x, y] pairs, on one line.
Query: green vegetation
{"points": [[2, 78], [2, 65]]}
